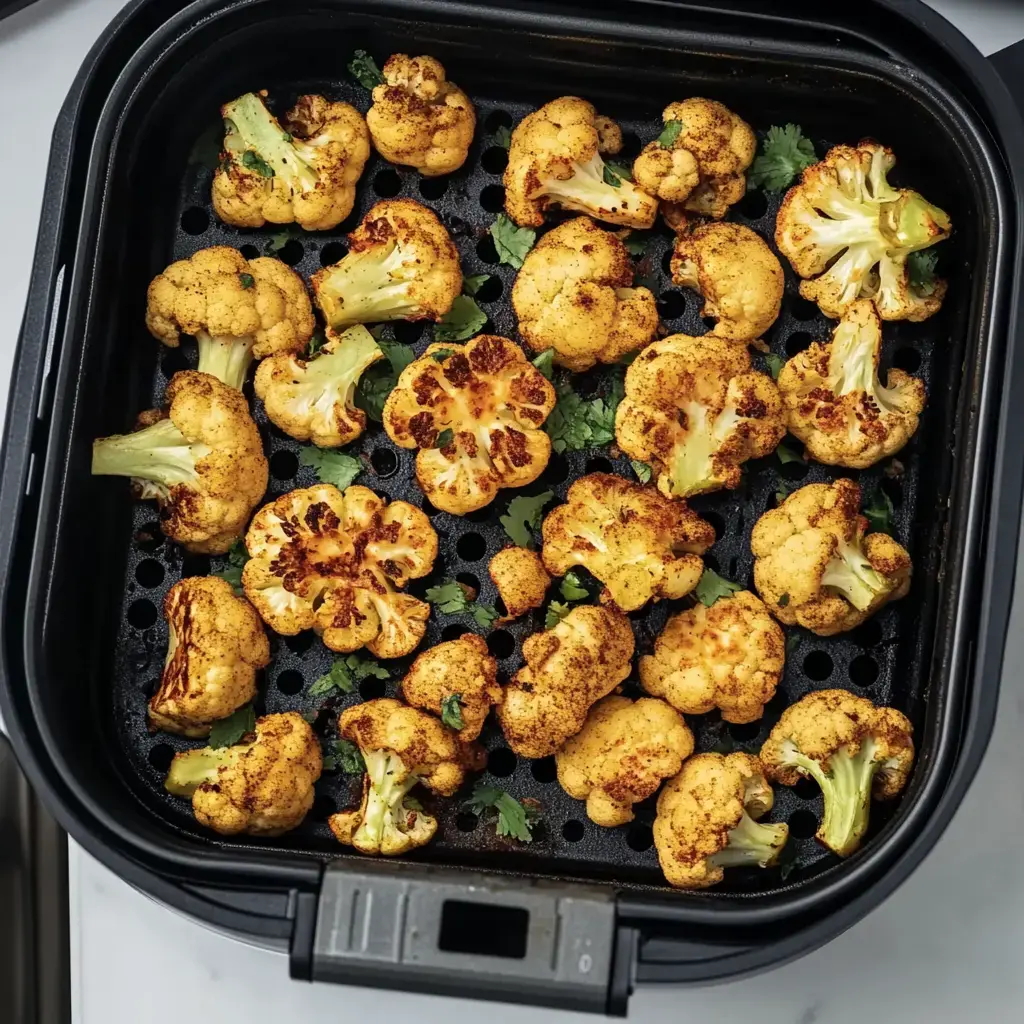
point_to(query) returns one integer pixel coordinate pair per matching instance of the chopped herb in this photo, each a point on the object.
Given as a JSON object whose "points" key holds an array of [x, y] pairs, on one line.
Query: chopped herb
{"points": [[316, 342], [462, 321], [344, 673], [577, 423], [483, 614], [710, 587], [786, 454], [451, 598], [572, 589], [441, 354], [784, 154], [279, 239], [247, 280], [514, 819], [524, 515], [775, 364], [345, 756], [669, 133], [451, 711], [252, 161], [792, 643], [784, 600], [474, 282], [379, 380], [444, 438], [615, 173], [511, 242], [545, 362], [636, 244], [557, 610], [232, 572], [331, 467], [502, 136], [642, 470], [784, 490], [363, 68], [921, 271], [880, 512], [228, 731]]}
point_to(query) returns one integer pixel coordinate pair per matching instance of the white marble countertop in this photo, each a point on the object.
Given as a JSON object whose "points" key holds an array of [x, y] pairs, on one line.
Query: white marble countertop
{"points": [[946, 947]]}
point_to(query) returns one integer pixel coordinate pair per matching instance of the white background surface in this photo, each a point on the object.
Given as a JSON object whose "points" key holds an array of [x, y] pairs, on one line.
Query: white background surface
{"points": [[947, 946]]}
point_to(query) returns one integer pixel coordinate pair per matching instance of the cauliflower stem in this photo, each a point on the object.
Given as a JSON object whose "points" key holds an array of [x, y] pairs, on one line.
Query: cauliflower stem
{"points": [[692, 468], [189, 771], [160, 455], [251, 127], [751, 843], [226, 358], [386, 813], [331, 378], [587, 191], [852, 574]]}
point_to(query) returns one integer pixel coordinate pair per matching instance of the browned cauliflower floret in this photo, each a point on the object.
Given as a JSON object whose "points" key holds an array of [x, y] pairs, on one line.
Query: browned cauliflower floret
{"points": [[707, 820], [575, 294], [835, 402], [729, 656], [555, 158], [485, 404], [336, 563], [521, 579], [695, 411], [852, 749], [419, 118], [304, 171], [568, 668], [263, 786], [202, 462], [640, 545], [235, 308], [621, 755], [814, 567], [699, 159]]}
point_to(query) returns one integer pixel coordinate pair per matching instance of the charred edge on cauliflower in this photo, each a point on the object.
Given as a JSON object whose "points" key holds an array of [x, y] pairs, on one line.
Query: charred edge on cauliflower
{"points": [[386, 811], [159, 457]]}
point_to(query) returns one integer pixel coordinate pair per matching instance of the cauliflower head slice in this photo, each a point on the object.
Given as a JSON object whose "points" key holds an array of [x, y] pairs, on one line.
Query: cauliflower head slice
{"points": [[401, 265], [621, 755], [490, 403], [304, 171], [202, 462], [521, 579], [695, 411], [261, 787], [555, 159], [568, 668], [707, 820], [419, 118], [853, 749], [848, 233], [814, 567], [337, 563], [314, 399], [575, 294], [835, 402], [729, 656]]}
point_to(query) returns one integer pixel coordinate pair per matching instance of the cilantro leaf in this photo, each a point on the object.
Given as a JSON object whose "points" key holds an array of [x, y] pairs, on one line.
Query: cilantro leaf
{"points": [[247, 280], [784, 154], [792, 643], [572, 589], [783, 601], [252, 161], [483, 614], [279, 239], [451, 711], [449, 597], [784, 490], [316, 342], [474, 282], [444, 438], [880, 512], [441, 354], [379, 380], [557, 610], [642, 470], [577, 423], [514, 819], [669, 133], [232, 572], [775, 364], [331, 467], [346, 757], [637, 242], [921, 271], [786, 454], [363, 68], [344, 673], [462, 321], [710, 587], [502, 136], [545, 362], [228, 731], [524, 515], [511, 242], [615, 173]]}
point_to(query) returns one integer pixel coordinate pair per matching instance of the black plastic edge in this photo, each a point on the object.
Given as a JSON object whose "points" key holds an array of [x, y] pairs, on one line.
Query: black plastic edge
{"points": [[623, 972], [300, 955]]}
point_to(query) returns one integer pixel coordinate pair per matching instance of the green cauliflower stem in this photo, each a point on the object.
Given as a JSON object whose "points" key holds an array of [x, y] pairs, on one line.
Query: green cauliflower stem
{"points": [[588, 192], [751, 843], [225, 358], [850, 572], [159, 456], [188, 773], [332, 377], [386, 814]]}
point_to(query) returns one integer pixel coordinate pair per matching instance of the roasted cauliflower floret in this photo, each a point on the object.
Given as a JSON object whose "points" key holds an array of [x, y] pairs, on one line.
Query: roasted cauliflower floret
{"points": [[739, 277], [314, 399], [835, 402], [263, 786], [814, 567], [702, 162], [729, 656], [419, 118], [337, 563], [639, 544], [235, 308], [568, 668], [458, 671], [621, 755], [555, 158], [575, 294], [851, 748], [401, 265], [707, 820], [485, 404], [695, 411], [521, 579], [202, 461], [304, 171], [848, 232]]}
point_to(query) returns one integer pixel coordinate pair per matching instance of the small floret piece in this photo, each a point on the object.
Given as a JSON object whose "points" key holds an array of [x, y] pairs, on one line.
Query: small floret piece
{"points": [[521, 579], [851, 748]]}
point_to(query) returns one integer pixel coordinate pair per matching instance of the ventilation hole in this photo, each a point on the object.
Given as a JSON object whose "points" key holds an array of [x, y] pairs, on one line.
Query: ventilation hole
{"points": [[492, 198], [490, 290], [734, 564], [806, 789], [796, 343], [373, 689], [666, 263], [599, 465], [501, 643], [863, 671], [818, 666], [161, 756], [907, 359], [572, 831], [429, 509], [141, 614], [300, 643], [149, 536], [332, 252], [480, 515], [640, 837], [149, 573], [407, 331], [195, 220], [433, 188], [709, 322], [195, 565], [544, 770], [802, 309], [631, 146], [323, 807], [384, 462], [710, 561], [467, 579], [716, 520], [485, 250], [283, 465], [454, 631], [744, 732], [557, 471], [494, 160], [497, 119], [894, 489], [753, 206], [466, 822], [291, 252], [671, 305], [471, 547], [501, 762], [174, 362], [869, 635], [794, 470], [802, 824], [290, 682], [387, 183]]}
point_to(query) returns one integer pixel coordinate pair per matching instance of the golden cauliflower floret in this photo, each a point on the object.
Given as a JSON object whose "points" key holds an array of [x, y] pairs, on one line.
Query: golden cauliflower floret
{"points": [[707, 820], [703, 159], [555, 159], [851, 748], [263, 786], [458, 671], [568, 668], [835, 402], [487, 402], [303, 171], [739, 277], [419, 118], [696, 411], [521, 579], [202, 462], [575, 294], [621, 755], [814, 567], [729, 656], [215, 646], [338, 563]]}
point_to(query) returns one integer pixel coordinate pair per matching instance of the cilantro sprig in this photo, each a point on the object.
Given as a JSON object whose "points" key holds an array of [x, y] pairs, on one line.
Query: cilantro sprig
{"points": [[451, 711], [921, 271], [557, 610], [363, 68], [514, 818], [462, 321], [237, 557], [784, 154], [379, 380], [451, 597], [524, 516], [710, 587], [511, 242], [331, 467], [228, 731], [880, 511], [577, 422], [344, 673], [344, 756]]}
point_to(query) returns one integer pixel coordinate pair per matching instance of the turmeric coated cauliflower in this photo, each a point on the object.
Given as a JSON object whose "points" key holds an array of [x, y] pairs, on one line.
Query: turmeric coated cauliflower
{"points": [[569, 667], [621, 755], [521, 579], [420, 119], [262, 786], [202, 461], [850, 232], [555, 158], [707, 820], [575, 294], [814, 567], [695, 411], [835, 402], [336, 563], [485, 403], [851, 748]]}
